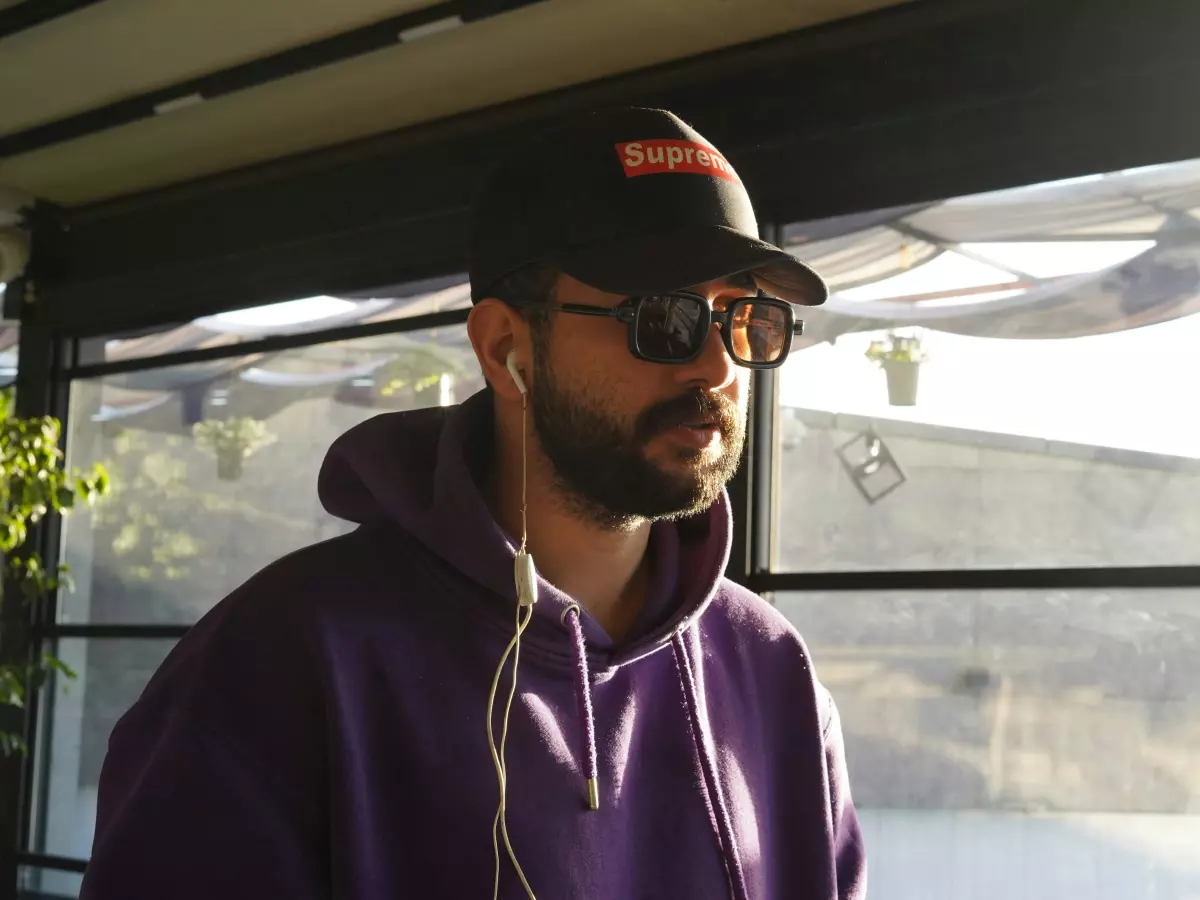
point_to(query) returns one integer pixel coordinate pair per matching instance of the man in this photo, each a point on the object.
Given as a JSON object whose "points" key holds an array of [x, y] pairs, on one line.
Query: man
{"points": [[325, 731]]}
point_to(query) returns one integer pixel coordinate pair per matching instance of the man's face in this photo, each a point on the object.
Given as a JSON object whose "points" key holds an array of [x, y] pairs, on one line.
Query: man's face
{"points": [[630, 439]]}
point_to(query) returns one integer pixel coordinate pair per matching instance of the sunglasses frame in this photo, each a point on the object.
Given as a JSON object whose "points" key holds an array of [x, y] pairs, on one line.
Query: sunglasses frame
{"points": [[629, 311]]}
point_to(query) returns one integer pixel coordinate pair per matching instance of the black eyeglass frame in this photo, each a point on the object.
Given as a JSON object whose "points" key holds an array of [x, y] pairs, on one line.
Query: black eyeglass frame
{"points": [[629, 311]]}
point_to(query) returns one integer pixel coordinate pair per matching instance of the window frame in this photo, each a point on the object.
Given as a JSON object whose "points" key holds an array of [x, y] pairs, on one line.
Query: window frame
{"points": [[761, 510], [51, 361]]}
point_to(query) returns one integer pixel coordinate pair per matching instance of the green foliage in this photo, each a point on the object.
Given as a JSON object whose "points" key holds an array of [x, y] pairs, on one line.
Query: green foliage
{"points": [[153, 518], [33, 485], [241, 436], [897, 348], [418, 369], [231, 441], [151, 499]]}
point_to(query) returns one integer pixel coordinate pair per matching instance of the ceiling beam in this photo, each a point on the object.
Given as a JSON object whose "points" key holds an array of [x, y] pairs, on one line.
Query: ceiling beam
{"points": [[26, 15], [162, 101], [920, 234]]}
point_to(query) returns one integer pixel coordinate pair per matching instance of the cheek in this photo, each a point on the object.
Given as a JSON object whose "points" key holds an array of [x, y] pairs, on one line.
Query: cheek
{"points": [[739, 389], [590, 357]]}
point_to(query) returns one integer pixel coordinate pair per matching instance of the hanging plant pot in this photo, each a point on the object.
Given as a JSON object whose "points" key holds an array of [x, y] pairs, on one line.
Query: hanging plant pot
{"points": [[900, 356], [902, 381], [231, 441], [229, 464]]}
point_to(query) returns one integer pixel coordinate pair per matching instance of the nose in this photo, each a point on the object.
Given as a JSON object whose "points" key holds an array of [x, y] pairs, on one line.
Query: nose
{"points": [[713, 369]]}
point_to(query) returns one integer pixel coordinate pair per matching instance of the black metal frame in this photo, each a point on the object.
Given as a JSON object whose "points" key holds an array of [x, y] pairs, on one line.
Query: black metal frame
{"points": [[39, 391], [29, 13], [269, 344], [1163, 577]]}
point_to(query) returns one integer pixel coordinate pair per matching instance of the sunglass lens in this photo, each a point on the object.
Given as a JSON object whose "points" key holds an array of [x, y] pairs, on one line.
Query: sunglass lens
{"points": [[670, 328], [759, 331]]}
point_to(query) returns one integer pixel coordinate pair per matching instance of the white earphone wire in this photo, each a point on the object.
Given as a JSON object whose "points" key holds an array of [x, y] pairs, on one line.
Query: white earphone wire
{"points": [[514, 649]]}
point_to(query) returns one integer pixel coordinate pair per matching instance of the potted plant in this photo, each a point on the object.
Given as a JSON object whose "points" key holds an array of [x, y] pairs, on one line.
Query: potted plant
{"points": [[416, 374], [232, 441], [900, 357], [33, 484]]}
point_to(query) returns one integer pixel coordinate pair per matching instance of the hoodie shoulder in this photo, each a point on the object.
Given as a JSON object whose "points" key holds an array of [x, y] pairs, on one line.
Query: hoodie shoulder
{"points": [[261, 646], [766, 646]]}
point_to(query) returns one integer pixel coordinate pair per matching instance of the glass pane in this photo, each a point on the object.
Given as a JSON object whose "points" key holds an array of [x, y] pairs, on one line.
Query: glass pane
{"points": [[1002, 380], [1018, 743], [10, 335], [299, 316], [77, 720], [214, 465], [35, 883]]}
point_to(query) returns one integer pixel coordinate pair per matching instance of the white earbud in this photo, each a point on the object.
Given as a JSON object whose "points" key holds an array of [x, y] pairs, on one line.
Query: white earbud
{"points": [[511, 362]]}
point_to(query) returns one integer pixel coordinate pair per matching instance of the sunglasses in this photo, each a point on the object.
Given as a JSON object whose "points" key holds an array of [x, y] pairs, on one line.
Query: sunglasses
{"points": [[673, 328]]}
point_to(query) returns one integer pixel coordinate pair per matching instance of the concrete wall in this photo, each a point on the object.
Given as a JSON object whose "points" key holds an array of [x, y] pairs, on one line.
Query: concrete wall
{"points": [[950, 855], [1032, 744]]}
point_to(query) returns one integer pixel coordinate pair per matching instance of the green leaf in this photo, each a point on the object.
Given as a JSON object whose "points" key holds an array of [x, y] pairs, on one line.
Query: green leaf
{"points": [[11, 743], [12, 689], [59, 666]]}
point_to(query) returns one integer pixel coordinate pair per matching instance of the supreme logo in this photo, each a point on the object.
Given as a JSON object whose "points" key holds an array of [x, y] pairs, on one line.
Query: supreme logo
{"points": [[658, 156]]}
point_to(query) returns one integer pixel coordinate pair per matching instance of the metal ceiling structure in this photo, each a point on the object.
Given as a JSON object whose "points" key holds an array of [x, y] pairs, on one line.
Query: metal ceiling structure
{"points": [[357, 172], [119, 96]]}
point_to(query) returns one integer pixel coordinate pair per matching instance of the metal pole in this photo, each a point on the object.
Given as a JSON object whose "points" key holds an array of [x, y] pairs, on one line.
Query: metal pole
{"points": [[37, 393]]}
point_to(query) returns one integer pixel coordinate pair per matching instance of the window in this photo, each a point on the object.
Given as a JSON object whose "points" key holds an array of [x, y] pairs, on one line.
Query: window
{"points": [[37, 883], [214, 464], [1018, 743], [999, 381], [78, 717], [304, 315], [213, 438], [1005, 382]]}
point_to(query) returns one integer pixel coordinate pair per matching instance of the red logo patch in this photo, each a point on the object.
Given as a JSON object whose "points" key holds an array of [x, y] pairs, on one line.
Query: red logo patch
{"points": [[658, 156]]}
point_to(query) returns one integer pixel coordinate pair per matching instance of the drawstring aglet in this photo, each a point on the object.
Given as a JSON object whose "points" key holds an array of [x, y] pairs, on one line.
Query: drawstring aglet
{"points": [[571, 618]]}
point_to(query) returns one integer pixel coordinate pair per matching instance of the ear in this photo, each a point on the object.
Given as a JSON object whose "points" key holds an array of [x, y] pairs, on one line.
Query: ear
{"points": [[495, 329]]}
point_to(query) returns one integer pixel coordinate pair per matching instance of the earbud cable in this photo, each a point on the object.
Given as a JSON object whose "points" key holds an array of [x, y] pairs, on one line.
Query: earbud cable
{"points": [[500, 822], [524, 472]]}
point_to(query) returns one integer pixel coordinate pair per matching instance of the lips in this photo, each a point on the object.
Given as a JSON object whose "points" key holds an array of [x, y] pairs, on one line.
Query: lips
{"points": [[701, 415], [698, 437]]}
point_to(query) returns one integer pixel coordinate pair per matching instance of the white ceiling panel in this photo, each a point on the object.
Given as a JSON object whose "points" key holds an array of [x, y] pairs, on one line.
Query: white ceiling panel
{"points": [[538, 48], [121, 48]]}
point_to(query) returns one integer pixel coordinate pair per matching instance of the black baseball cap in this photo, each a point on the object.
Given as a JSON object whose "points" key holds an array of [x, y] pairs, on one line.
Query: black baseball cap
{"points": [[630, 201]]}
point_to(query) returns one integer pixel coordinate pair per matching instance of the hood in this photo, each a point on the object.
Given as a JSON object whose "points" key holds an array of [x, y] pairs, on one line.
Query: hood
{"points": [[415, 469]]}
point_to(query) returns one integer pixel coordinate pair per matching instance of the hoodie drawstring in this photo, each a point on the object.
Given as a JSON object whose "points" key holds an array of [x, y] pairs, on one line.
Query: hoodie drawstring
{"points": [[571, 619], [583, 694], [708, 769]]}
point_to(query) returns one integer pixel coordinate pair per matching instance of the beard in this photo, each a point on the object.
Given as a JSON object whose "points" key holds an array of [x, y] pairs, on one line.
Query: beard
{"points": [[600, 462]]}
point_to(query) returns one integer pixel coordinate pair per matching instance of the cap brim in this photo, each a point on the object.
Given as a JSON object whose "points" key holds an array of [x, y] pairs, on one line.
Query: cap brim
{"points": [[680, 259]]}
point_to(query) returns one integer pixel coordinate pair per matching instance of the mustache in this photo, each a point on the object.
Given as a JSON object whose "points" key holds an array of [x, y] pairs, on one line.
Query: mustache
{"points": [[688, 409]]}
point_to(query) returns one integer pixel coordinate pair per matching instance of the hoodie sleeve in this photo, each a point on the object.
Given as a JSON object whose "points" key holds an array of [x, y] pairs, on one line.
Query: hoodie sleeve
{"points": [[216, 781], [849, 850], [183, 814]]}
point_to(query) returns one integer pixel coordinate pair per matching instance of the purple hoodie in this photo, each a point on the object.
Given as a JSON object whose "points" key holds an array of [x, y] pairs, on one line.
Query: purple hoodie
{"points": [[321, 732]]}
